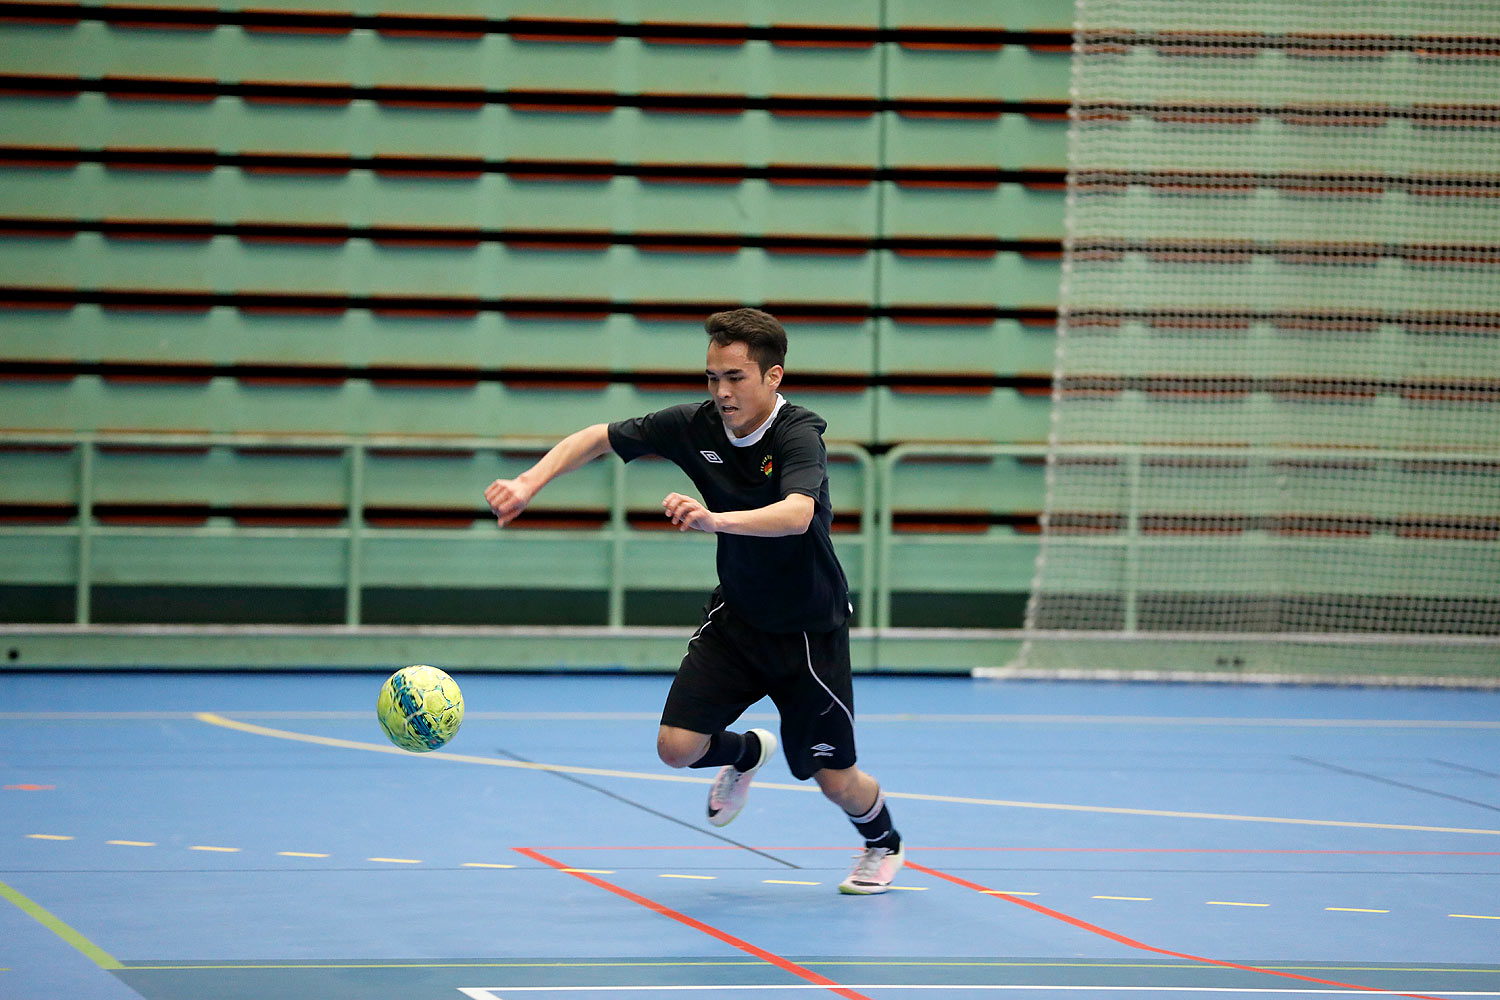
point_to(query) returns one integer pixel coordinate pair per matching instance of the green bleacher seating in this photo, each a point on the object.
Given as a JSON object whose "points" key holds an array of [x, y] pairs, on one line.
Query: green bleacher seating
{"points": [[478, 225], [1013, 14]]}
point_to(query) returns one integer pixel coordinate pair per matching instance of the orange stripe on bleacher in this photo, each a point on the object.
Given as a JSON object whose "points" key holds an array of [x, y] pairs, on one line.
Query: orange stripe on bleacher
{"points": [[309, 22], [143, 18], [579, 30], [561, 102], [449, 168], [287, 92], [303, 164], [705, 33], [36, 15], [436, 98], [438, 27], [39, 85]]}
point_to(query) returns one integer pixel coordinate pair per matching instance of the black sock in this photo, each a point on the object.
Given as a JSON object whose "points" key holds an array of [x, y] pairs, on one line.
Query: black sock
{"points": [[875, 826], [749, 752], [725, 747]]}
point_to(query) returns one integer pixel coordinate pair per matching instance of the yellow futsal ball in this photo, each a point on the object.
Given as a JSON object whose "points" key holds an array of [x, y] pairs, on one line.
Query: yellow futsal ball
{"points": [[420, 708]]}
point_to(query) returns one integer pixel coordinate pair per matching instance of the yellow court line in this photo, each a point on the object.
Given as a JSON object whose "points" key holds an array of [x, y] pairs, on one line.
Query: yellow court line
{"points": [[397, 861], [1352, 909], [873, 717], [434, 965], [484, 864], [784, 881], [132, 843], [1220, 902], [299, 854], [215, 719], [705, 878], [40, 914], [1473, 916]]}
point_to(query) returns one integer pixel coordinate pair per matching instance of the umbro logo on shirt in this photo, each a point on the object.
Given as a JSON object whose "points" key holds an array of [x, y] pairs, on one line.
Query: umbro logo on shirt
{"points": [[822, 750], [712, 456]]}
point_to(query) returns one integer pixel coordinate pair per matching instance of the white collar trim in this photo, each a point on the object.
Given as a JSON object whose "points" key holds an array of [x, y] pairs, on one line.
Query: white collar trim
{"points": [[754, 436]]}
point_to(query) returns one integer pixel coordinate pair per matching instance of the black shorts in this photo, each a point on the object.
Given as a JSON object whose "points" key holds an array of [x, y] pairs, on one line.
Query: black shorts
{"points": [[730, 665]]}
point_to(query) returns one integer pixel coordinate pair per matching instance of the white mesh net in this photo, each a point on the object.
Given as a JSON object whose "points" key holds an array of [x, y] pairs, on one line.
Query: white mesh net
{"points": [[1276, 428]]}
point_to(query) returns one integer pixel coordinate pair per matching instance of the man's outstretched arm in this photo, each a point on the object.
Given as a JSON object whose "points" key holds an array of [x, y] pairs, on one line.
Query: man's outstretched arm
{"points": [[790, 515], [508, 497]]}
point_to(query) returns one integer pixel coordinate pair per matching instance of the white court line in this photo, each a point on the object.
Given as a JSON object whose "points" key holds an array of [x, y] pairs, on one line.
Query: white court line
{"points": [[498, 992], [871, 717], [215, 719]]}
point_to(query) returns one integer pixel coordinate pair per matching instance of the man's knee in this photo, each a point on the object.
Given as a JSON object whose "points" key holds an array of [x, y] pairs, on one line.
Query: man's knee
{"points": [[679, 747], [836, 783], [848, 787]]}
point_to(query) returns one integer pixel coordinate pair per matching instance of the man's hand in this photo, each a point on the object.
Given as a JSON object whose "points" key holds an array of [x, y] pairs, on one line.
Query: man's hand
{"points": [[507, 498], [686, 513]]}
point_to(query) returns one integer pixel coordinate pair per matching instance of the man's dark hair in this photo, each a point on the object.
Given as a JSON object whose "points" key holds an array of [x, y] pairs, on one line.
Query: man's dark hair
{"points": [[760, 332]]}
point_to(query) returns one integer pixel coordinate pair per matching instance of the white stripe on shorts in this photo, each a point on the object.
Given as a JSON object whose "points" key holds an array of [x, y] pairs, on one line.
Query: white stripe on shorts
{"points": [[807, 646], [707, 621]]}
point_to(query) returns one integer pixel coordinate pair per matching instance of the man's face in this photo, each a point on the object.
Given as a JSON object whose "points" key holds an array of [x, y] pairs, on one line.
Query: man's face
{"points": [[743, 395]]}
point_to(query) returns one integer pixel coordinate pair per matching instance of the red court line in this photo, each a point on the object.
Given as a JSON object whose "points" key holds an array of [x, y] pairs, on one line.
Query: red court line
{"points": [[927, 848], [697, 925], [1215, 850], [1132, 943]]}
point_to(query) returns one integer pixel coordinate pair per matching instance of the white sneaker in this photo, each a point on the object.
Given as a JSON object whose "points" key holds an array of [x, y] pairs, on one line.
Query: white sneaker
{"points": [[732, 787], [874, 871]]}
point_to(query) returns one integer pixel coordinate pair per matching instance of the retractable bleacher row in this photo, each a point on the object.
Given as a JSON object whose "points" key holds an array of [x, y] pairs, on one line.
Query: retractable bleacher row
{"points": [[282, 290]]}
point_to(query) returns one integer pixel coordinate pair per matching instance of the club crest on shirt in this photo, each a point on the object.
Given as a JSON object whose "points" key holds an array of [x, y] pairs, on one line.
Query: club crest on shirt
{"points": [[765, 466]]}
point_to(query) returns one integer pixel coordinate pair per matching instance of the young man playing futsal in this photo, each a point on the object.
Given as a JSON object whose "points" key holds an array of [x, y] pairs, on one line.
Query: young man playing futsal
{"points": [[778, 623]]}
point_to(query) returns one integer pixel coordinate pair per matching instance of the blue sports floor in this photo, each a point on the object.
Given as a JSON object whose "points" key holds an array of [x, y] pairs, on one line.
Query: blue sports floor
{"points": [[184, 837]]}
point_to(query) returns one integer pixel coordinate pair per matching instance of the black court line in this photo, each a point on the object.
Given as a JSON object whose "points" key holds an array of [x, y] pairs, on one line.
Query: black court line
{"points": [[654, 812], [1396, 784], [1464, 767]]}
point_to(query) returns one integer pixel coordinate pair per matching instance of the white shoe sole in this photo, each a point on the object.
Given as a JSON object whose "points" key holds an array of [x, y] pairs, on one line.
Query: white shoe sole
{"points": [[848, 888], [767, 748]]}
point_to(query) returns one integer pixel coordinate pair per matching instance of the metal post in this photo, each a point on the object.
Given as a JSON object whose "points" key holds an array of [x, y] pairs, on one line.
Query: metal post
{"points": [[867, 538], [617, 533], [355, 530], [82, 594], [1132, 538], [883, 542], [863, 613]]}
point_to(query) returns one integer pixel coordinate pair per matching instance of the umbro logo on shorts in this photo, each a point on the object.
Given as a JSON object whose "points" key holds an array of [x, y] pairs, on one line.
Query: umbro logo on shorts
{"points": [[712, 456], [822, 750]]}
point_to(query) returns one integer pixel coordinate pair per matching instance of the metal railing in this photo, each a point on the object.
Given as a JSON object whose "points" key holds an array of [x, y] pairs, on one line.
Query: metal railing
{"points": [[1130, 539], [878, 503], [884, 585], [86, 528]]}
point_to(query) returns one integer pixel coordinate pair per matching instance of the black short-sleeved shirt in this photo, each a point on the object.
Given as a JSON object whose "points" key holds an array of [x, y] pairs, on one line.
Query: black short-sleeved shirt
{"points": [[788, 584]]}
